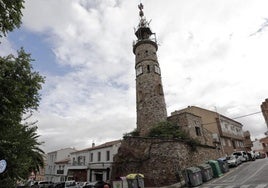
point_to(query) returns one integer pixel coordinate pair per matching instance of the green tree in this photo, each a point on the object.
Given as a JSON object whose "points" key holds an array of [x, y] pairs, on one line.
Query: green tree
{"points": [[19, 87], [19, 96], [10, 15], [166, 129]]}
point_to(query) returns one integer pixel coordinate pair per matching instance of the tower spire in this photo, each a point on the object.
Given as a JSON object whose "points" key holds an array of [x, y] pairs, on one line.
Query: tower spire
{"points": [[143, 30]]}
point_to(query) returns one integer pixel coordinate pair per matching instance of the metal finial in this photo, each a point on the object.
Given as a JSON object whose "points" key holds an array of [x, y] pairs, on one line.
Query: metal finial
{"points": [[140, 6]]}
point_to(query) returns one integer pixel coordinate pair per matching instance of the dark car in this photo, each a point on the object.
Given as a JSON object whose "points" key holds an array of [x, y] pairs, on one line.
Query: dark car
{"points": [[251, 156], [45, 184], [99, 184], [59, 185], [224, 166]]}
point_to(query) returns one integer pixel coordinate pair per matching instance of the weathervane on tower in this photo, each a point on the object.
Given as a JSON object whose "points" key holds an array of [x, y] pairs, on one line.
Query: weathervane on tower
{"points": [[140, 6]]}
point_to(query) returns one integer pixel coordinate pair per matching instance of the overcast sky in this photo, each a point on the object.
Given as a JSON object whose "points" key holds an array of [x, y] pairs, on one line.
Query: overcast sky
{"points": [[212, 54]]}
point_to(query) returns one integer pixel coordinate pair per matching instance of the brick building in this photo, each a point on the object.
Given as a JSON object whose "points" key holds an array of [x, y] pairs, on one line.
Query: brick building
{"points": [[260, 147], [192, 125], [247, 142], [228, 132]]}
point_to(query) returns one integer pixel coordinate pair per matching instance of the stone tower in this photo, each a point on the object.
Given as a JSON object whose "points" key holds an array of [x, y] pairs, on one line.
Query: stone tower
{"points": [[150, 101], [264, 109]]}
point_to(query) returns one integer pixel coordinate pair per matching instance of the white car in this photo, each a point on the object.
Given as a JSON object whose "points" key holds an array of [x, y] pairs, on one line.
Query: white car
{"points": [[82, 184], [243, 154], [234, 160], [70, 184]]}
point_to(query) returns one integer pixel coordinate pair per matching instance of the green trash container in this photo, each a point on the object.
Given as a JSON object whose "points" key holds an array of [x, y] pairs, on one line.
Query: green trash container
{"points": [[206, 172], [215, 168], [193, 176]]}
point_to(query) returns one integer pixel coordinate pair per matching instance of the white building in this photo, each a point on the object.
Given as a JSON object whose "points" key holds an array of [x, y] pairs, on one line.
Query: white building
{"points": [[94, 163], [257, 146], [57, 162]]}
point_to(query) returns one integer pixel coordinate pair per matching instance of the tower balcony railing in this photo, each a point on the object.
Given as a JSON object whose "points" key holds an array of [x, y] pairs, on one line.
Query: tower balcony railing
{"points": [[149, 39]]}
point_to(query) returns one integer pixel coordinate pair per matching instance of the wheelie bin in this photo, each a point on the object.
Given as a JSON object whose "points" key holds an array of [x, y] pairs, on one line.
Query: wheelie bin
{"points": [[215, 168], [206, 172], [193, 176]]}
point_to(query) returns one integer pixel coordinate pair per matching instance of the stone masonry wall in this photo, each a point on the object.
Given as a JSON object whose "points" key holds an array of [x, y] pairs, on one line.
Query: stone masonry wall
{"points": [[264, 109], [150, 100], [162, 161]]}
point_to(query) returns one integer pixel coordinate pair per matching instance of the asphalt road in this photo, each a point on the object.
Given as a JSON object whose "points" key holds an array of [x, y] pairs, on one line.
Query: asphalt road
{"points": [[253, 174]]}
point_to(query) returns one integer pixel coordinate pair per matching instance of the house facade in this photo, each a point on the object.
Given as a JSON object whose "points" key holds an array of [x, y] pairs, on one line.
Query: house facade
{"points": [[260, 147], [247, 142], [228, 131], [56, 166], [192, 125], [94, 163]]}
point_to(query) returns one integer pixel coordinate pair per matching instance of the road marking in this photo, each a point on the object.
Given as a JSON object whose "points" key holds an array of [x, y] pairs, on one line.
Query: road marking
{"points": [[257, 171], [235, 186], [261, 186], [244, 186], [231, 179]]}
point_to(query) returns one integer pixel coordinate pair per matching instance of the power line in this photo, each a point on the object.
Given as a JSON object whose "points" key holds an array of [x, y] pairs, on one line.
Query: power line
{"points": [[247, 115], [251, 114]]}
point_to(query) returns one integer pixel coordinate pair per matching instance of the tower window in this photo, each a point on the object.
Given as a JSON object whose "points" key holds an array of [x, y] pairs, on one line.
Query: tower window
{"points": [[107, 155], [157, 69], [148, 68], [99, 156], [139, 71], [198, 131]]}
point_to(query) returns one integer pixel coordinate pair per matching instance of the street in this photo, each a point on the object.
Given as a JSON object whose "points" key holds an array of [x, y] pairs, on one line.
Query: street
{"points": [[253, 174]]}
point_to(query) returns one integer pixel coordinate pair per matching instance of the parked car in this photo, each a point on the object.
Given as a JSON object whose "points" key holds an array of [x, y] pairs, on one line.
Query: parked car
{"points": [[70, 184], [82, 184], [243, 154], [59, 185], [251, 156], [260, 155], [99, 184], [234, 160], [45, 184], [90, 185]]}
